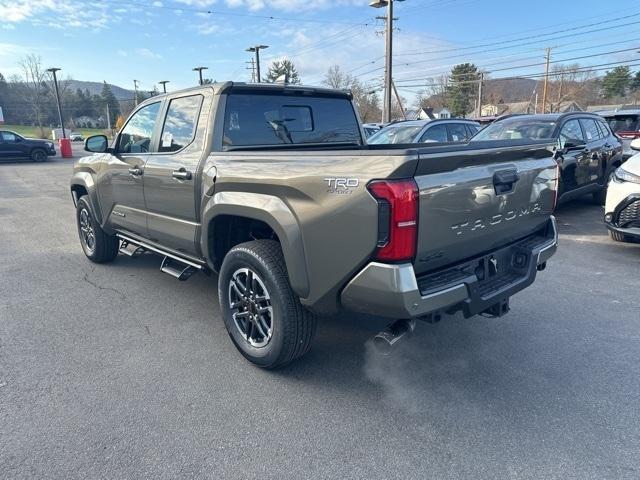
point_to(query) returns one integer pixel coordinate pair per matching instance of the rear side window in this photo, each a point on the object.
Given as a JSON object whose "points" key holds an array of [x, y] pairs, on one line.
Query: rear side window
{"points": [[457, 132], [591, 131], [272, 119], [624, 123], [472, 129], [436, 133], [180, 123], [604, 128]]}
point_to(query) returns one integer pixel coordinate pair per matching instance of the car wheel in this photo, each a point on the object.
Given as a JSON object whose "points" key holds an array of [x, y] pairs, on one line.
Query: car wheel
{"points": [[261, 313], [38, 155], [600, 197], [98, 246]]}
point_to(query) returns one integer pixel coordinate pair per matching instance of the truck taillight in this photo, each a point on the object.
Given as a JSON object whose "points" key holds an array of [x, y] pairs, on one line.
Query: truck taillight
{"points": [[397, 219]]}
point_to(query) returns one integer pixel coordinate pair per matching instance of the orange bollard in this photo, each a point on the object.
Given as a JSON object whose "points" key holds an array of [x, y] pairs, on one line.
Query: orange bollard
{"points": [[65, 148]]}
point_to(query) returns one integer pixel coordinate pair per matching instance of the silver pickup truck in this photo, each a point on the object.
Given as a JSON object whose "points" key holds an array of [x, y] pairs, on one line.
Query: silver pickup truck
{"points": [[273, 188]]}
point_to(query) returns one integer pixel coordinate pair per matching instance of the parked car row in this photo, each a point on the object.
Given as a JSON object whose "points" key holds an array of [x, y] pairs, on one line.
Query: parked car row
{"points": [[594, 153]]}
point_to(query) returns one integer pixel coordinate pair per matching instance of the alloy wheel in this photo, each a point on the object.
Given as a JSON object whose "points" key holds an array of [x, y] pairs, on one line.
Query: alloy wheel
{"points": [[251, 307], [87, 233]]}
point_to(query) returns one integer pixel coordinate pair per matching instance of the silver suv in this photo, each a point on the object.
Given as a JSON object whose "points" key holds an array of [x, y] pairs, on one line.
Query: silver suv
{"points": [[426, 131]]}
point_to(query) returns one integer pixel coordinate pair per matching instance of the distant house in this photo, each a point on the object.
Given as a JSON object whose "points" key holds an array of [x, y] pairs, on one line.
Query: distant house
{"points": [[427, 114], [566, 107], [500, 109]]}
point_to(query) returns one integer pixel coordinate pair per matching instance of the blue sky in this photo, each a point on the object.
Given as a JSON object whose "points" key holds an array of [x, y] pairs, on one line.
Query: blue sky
{"points": [[119, 40]]}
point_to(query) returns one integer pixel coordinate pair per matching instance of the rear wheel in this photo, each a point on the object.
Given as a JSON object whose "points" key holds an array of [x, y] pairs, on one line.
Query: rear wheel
{"points": [[262, 314], [38, 155], [98, 246]]}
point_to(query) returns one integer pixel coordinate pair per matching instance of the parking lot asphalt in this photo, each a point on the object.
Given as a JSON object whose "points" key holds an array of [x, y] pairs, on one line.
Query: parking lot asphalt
{"points": [[120, 371]]}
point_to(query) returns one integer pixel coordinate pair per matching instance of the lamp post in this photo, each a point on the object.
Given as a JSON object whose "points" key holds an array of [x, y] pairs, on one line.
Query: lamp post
{"points": [[55, 84], [164, 85], [257, 49], [199, 70], [388, 75]]}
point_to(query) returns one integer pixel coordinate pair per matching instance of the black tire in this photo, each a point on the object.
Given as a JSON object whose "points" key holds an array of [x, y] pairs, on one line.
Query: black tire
{"points": [[618, 237], [291, 326], [38, 155], [98, 246], [600, 197]]}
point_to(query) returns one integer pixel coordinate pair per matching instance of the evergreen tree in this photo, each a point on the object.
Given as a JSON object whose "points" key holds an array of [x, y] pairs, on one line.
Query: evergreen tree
{"points": [[635, 83], [108, 98], [616, 82], [282, 67], [462, 89]]}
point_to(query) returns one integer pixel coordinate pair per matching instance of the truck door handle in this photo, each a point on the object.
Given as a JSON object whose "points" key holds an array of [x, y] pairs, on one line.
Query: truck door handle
{"points": [[182, 174], [135, 171]]}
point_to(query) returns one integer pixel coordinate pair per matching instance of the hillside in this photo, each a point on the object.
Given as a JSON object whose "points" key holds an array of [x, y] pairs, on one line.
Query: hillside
{"points": [[96, 88]]}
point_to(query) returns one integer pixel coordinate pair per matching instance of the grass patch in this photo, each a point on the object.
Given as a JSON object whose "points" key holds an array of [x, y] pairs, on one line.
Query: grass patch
{"points": [[34, 132]]}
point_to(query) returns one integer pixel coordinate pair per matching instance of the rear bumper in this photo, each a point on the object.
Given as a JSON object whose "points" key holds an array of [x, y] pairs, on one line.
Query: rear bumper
{"points": [[472, 286]]}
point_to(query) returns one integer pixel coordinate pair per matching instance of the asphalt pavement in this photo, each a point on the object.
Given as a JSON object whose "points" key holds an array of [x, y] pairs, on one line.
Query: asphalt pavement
{"points": [[119, 371]]}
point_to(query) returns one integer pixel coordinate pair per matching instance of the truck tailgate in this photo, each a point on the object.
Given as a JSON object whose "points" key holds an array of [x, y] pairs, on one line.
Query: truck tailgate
{"points": [[478, 200]]}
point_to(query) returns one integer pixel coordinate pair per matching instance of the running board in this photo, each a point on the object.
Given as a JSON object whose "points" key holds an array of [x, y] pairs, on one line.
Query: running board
{"points": [[177, 269], [172, 264], [130, 250]]}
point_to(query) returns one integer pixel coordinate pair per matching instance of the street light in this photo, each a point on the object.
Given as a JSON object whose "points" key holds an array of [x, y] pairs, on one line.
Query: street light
{"points": [[257, 49], [199, 70], [55, 84], [164, 85]]}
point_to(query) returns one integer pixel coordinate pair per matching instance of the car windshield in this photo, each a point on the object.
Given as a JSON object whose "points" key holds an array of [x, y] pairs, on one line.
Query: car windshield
{"points": [[516, 128], [395, 134], [624, 123]]}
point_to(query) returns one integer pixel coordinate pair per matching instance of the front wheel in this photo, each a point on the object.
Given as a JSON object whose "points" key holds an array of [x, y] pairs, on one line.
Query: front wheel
{"points": [[261, 313], [98, 246], [38, 155]]}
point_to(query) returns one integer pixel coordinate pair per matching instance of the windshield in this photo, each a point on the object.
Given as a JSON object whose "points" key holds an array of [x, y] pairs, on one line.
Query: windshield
{"points": [[396, 134], [624, 123], [516, 128]]}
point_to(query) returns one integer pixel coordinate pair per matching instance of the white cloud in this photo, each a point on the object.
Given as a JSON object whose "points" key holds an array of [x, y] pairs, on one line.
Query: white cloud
{"points": [[146, 53], [293, 5]]}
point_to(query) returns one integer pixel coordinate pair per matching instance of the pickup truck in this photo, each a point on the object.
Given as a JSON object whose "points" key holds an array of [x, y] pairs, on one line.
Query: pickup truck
{"points": [[273, 188]]}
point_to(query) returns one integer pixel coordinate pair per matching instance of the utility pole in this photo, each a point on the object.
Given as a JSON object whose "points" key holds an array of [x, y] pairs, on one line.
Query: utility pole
{"points": [[480, 94], [252, 68], [199, 70], [404, 115], [135, 92], [546, 81], [388, 73], [257, 49], [55, 84], [164, 85]]}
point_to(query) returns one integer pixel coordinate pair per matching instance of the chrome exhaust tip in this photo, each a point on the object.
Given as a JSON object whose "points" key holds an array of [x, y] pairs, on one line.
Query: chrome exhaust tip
{"points": [[384, 341]]}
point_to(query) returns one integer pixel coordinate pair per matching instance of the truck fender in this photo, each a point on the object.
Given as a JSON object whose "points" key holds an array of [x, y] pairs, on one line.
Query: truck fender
{"points": [[85, 180], [270, 210]]}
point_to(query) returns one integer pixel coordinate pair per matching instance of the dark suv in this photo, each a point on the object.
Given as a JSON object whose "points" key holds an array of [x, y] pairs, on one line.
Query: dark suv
{"points": [[586, 149], [13, 145], [626, 125]]}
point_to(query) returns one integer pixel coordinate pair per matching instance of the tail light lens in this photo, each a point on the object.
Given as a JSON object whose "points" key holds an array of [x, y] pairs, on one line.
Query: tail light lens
{"points": [[397, 219], [628, 135]]}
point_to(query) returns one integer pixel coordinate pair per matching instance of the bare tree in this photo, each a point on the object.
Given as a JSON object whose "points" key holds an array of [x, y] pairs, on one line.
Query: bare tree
{"points": [[570, 83], [34, 89], [366, 99]]}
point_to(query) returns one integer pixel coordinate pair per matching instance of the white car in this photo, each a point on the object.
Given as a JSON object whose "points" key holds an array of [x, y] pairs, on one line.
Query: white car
{"points": [[622, 208]]}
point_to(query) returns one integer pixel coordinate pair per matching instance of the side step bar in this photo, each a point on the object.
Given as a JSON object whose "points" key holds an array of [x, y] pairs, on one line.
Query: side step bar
{"points": [[174, 265], [176, 269]]}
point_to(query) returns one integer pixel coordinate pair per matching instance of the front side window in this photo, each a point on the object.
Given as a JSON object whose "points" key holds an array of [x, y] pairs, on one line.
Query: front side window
{"points": [[571, 133], [136, 134], [395, 134], [8, 137], [180, 123], [458, 132], [281, 119], [436, 133], [591, 131]]}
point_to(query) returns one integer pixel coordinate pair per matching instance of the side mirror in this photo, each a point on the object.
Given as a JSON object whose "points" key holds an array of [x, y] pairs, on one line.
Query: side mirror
{"points": [[635, 144], [96, 144]]}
